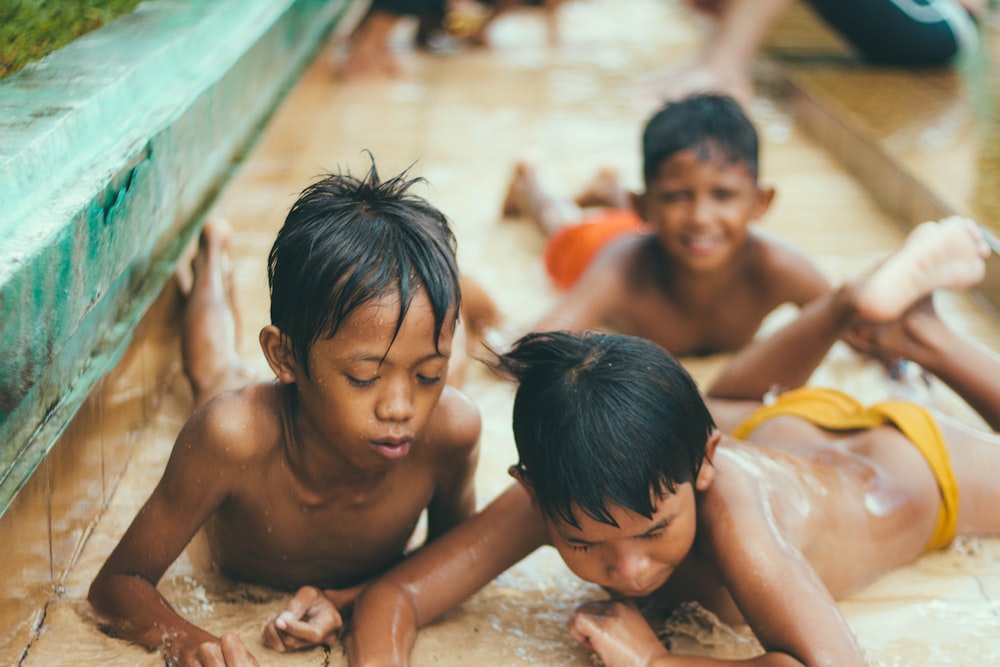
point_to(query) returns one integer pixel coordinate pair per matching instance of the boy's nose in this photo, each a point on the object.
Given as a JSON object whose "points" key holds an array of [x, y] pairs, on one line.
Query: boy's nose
{"points": [[702, 210], [396, 403], [629, 566]]}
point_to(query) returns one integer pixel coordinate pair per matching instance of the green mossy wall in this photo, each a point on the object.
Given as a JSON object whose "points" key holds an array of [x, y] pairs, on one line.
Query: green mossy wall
{"points": [[110, 150]]}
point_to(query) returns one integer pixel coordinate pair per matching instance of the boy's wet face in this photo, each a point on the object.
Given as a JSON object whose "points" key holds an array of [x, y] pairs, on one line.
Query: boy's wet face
{"points": [[369, 394], [637, 557], [700, 206]]}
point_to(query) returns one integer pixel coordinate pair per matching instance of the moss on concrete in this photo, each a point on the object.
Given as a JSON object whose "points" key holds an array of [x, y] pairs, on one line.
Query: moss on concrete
{"points": [[31, 29]]}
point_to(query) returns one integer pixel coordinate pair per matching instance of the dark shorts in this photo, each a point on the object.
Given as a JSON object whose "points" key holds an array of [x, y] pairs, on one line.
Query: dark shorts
{"points": [[410, 7], [911, 33]]}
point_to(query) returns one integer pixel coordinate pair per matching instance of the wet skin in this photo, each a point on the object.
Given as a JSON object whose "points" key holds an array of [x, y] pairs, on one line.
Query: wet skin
{"points": [[288, 482], [704, 280], [366, 443], [768, 534]]}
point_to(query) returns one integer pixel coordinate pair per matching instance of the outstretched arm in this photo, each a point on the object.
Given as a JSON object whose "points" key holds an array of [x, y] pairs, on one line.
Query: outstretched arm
{"points": [[440, 576], [949, 254], [788, 357], [596, 294], [124, 590]]}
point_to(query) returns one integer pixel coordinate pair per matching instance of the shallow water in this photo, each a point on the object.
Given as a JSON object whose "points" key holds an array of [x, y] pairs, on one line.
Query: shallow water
{"points": [[464, 121]]}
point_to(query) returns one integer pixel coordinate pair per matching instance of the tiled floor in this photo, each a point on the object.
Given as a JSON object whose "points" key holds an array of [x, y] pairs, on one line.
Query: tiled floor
{"points": [[462, 122]]}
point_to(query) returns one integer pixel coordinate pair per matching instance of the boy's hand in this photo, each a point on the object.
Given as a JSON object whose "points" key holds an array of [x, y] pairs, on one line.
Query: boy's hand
{"points": [[617, 632], [227, 651], [309, 619]]}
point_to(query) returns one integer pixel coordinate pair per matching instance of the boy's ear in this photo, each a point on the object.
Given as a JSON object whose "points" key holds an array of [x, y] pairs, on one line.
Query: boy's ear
{"points": [[706, 475], [278, 353], [517, 472], [638, 202], [765, 197]]}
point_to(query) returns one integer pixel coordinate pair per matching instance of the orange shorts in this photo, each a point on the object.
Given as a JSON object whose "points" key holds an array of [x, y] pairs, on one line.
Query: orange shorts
{"points": [[571, 250]]}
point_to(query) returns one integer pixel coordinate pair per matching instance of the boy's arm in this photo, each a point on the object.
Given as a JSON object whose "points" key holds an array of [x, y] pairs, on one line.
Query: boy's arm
{"points": [[124, 590], [781, 598], [440, 576], [455, 493], [594, 296]]}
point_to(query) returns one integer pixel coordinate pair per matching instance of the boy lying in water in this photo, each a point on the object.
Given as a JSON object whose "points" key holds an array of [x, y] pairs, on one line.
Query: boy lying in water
{"points": [[625, 470], [358, 429], [684, 263]]}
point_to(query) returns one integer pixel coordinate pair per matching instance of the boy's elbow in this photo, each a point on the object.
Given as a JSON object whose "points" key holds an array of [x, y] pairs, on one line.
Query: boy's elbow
{"points": [[98, 592], [384, 605]]}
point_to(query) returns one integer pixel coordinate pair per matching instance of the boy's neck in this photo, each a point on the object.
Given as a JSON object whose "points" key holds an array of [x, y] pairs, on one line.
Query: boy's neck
{"points": [[318, 466]]}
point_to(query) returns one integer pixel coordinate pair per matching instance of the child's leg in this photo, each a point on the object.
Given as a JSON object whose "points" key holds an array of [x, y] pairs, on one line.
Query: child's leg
{"points": [[605, 189], [945, 255], [209, 326], [724, 60], [527, 197]]}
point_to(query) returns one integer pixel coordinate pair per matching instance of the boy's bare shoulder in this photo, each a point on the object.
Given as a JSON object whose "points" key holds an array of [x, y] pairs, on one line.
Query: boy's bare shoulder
{"points": [[455, 423], [240, 425], [777, 265], [735, 488]]}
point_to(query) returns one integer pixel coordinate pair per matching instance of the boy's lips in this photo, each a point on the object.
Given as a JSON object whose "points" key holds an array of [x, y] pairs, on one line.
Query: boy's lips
{"points": [[701, 244], [393, 448]]}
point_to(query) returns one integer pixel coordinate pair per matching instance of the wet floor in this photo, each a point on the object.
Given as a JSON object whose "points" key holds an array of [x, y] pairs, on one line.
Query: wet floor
{"points": [[462, 122]]}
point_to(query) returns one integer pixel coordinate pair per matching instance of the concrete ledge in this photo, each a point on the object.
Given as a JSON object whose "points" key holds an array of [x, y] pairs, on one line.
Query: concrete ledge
{"points": [[110, 149]]}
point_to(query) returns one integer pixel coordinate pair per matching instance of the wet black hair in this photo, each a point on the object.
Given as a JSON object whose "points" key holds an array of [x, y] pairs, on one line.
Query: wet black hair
{"points": [[711, 124], [603, 419], [348, 241]]}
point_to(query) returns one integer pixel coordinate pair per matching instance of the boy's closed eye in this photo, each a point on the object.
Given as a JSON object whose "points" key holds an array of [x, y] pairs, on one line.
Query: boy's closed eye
{"points": [[359, 382], [654, 532]]}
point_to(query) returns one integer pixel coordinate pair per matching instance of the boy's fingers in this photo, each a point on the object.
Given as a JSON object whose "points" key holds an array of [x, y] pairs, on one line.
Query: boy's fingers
{"points": [[311, 632], [272, 637], [582, 627], [234, 653], [301, 601]]}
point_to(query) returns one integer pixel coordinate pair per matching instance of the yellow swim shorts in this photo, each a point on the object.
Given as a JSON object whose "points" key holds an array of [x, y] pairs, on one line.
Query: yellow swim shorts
{"points": [[836, 411]]}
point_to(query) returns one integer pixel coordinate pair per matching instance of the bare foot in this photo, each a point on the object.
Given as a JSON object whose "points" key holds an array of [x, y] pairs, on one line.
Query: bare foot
{"points": [[370, 54], [210, 335], [525, 197], [371, 62], [605, 189], [524, 180], [949, 254]]}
